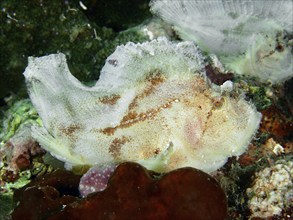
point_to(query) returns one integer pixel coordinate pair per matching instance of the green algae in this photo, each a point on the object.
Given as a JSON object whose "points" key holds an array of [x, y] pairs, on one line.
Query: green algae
{"points": [[7, 191], [259, 97], [19, 113], [22, 178]]}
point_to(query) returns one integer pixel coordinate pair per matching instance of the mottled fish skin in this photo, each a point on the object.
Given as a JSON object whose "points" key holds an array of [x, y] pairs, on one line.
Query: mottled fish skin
{"points": [[152, 105]]}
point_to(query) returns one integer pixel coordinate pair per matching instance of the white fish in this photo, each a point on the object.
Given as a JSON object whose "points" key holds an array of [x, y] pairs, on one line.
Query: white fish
{"points": [[231, 28], [151, 105]]}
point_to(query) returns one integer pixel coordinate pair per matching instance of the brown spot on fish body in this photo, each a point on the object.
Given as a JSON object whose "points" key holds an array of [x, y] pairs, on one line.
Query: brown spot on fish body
{"points": [[153, 80], [133, 117], [116, 145], [109, 131], [70, 130], [110, 100]]}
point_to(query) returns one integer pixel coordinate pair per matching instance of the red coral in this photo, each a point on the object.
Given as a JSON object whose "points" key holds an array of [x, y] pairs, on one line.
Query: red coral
{"points": [[46, 195], [20, 148], [276, 123], [135, 193]]}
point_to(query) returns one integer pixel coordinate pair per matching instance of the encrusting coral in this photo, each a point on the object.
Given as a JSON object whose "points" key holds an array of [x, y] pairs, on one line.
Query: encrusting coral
{"points": [[20, 148], [152, 105], [132, 193], [272, 191], [250, 37]]}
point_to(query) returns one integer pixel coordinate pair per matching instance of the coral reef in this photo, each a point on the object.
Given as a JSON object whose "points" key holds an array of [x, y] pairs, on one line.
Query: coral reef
{"points": [[37, 28], [7, 187], [132, 193], [19, 153], [277, 123], [18, 113], [151, 105], [12, 178], [272, 191], [245, 59], [46, 195], [19, 149], [17, 145]]}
